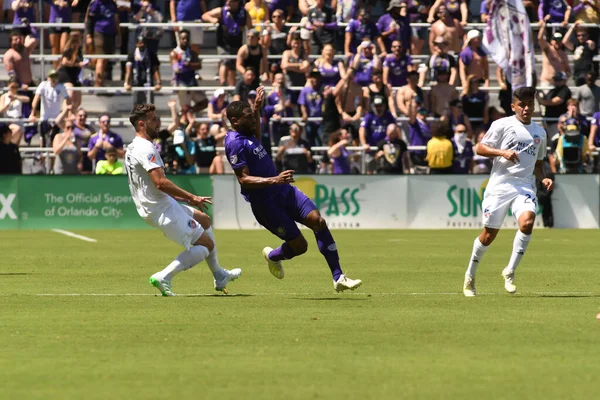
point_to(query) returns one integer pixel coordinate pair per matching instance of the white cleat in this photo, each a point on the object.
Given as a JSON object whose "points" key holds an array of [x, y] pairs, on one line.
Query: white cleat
{"points": [[163, 286], [275, 267], [469, 286], [345, 283], [232, 275], [509, 278]]}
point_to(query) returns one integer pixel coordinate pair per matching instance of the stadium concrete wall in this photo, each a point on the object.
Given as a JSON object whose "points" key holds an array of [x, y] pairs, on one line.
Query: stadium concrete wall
{"points": [[409, 202]]}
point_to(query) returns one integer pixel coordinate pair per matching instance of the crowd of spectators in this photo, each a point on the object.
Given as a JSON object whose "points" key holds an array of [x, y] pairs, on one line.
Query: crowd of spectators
{"points": [[353, 72]]}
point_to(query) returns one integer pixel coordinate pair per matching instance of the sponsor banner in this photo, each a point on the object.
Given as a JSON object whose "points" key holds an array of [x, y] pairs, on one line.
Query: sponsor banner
{"points": [[78, 202], [455, 202], [346, 202]]}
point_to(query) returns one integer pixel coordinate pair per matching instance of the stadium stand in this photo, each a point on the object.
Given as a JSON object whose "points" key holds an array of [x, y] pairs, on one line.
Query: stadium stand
{"points": [[360, 57]]}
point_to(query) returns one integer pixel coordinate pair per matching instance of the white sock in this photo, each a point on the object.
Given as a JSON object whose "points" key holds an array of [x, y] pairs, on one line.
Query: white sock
{"points": [[184, 261], [212, 260], [478, 252], [519, 247]]}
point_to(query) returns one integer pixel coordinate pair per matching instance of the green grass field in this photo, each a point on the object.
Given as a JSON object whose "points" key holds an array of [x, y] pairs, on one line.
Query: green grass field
{"points": [[408, 333]]}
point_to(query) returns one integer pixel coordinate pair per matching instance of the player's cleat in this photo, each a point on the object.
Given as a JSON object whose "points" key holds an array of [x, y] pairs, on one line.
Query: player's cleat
{"points": [[345, 283], [509, 278], [469, 287], [275, 267], [232, 275], [163, 286]]}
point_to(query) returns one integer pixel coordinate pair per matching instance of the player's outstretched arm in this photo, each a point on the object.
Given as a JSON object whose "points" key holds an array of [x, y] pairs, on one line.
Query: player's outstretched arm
{"points": [[256, 182], [486, 151], [163, 184], [258, 104]]}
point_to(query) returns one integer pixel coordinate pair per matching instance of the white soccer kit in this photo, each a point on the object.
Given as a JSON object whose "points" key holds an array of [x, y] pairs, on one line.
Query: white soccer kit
{"points": [[512, 185], [157, 208]]}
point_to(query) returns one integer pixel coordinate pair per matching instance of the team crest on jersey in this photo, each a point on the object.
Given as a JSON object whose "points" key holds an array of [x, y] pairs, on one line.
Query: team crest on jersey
{"points": [[487, 213], [280, 231], [233, 159], [537, 139], [151, 158], [192, 224]]}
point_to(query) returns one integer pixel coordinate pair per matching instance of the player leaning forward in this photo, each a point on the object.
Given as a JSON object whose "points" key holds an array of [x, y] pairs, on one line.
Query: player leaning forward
{"points": [[518, 147], [275, 203], [156, 199]]}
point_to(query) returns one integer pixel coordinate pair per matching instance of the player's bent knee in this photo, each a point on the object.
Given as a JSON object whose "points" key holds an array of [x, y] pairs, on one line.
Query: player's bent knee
{"points": [[322, 224], [205, 241], [299, 245]]}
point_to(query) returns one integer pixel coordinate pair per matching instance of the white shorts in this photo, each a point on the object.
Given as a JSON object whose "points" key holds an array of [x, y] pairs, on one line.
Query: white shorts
{"points": [[178, 225], [495, 205]]}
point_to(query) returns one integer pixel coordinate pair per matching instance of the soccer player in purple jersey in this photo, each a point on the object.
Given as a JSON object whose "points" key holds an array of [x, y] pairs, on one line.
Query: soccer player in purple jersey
{"points": [[275, 203]]}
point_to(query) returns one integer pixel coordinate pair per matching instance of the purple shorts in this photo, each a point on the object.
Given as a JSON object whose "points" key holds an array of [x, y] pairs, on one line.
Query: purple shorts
{"points": [[280, 212]]}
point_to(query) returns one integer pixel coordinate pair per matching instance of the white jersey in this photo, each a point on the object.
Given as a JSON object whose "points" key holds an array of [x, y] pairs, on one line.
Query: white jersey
{"points": [[140, 158], [529, 141]]}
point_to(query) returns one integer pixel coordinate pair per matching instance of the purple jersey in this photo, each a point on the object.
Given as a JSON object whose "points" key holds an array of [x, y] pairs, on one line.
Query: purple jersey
{"points": [[230, 32], [215, 105], [273, 99], [419, 135], [279, 5], [462, 160], [453, 7], [398, 69], [360, 30], [59, 15], [102, 14], [466, 56], [403, 34], [330, 76], [24, 12], [187, 10], [375, 126], [596, 122], [113, 138], [555, 8], [364, 72], [248, 152], [313, 101], [340, 163]]}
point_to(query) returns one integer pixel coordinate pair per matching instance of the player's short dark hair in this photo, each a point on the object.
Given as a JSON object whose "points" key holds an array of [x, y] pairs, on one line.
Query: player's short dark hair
{"points": [[235, 109], [524, 93], [16, 32], [140, 113]]}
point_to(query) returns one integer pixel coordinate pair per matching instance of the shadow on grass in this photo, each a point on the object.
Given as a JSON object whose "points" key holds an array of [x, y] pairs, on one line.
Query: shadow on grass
{"points": [[14, 273], [329, 298], [215, 295], [567, 296]]}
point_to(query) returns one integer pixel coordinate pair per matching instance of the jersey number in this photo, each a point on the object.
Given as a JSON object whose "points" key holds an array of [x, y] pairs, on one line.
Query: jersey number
{"points": [[530, 199]]}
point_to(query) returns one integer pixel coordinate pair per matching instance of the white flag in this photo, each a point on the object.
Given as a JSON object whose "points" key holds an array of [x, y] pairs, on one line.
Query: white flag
{"points": [[508, 40]]}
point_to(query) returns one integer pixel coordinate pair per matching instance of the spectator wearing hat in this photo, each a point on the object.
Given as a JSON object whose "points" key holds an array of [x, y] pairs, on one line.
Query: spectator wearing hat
{"points": [[253, 55], [217, 106], [409, 93], [10, 158], [456, 117], [439, 60], [245, 85], [395, 25], [104, 140], [311, 106], [323, 25], [185, 63], [572, 148], [392, 154], [448, 28], [357, 30], [364, 62], [419, 132], [462, 163], [583, 50], [473, 60], [442, 93], [555, 101], [186, 153], [396, 66], [554, 57], [142, 70], [373, 129], [51, 94], [232, 19], [458, 10], [589, 95]]}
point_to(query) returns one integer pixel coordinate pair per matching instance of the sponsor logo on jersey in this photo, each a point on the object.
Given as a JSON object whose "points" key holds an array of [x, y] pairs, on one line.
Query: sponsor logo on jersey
{"points": [[192, 224], [152, 158]]}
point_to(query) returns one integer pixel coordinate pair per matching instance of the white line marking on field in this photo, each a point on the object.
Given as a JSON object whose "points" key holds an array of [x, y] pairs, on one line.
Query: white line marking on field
{"points": [[300, 294], [74, 235]]}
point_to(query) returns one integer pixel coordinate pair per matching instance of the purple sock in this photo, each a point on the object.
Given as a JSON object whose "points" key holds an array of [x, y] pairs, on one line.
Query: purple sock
{"points": [[328, 248], [283, 252]]}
